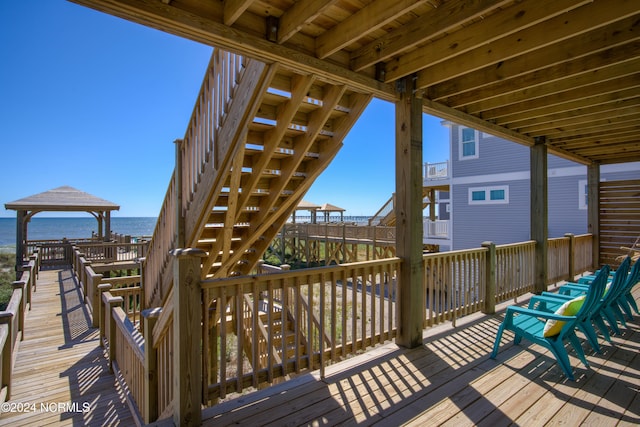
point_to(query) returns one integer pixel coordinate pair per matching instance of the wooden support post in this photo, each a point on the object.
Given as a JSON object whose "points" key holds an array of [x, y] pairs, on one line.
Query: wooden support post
{"points": [[150, 404], [593, 211], [539, 212], [22, 285], [572, 257], [490, 292], [109, 303], [409, 214], [102, 288], [95, 296], [187, 333], [20, 239], [107, 226], [5, 359], [432, 204]]}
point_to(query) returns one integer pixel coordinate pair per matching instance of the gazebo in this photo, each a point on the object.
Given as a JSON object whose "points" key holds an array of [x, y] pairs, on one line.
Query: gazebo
{"points": [[61, 199], [327, 208], [307, 206]]}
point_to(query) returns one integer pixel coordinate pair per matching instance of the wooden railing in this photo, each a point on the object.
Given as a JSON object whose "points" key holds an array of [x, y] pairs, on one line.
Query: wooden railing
{"points": [[583, 253], [383, 212], [514, 270], [434, 171], [438, 229], [157, 262], [55, 253], [355, 301], [113, 251], [199, 151], [12, 322], [334, 312], [129, 355], [557, 259], [454, 284]]}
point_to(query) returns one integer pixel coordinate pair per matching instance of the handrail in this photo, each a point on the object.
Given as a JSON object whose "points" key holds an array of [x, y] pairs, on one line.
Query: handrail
{"points": [[199, 147], [129, 356], [336, 311], [382, 213], [12, 323], [435, 171]]}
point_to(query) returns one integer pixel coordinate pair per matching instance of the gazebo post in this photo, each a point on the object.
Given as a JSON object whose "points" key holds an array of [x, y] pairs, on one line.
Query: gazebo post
{"points": [[107, 226], [100, 219], [20, 238]]}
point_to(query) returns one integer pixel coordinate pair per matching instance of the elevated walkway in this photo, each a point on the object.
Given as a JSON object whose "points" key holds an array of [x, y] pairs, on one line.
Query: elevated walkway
{"points": [[61, 376]]}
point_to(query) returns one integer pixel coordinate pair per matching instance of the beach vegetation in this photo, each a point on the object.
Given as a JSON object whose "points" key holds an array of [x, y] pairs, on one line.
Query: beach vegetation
{"points": [[7, 276]]}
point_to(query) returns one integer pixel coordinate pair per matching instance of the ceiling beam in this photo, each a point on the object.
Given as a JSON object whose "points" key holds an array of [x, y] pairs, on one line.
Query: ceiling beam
{"points": [[477, 38], [616, 77], [585, 44], [361, 23], [618, 107], [550, 75], [547, 32], [301, 13], [576, 95], [446, 17], [605, 123], [233, 9], [456, 116], [574, 105], [590, 137], [211, 32]]}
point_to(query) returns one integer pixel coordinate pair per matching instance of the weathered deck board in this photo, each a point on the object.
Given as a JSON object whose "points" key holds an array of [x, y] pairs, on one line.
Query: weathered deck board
{"points": [[448, 381], [60, 362], [451, 381]]}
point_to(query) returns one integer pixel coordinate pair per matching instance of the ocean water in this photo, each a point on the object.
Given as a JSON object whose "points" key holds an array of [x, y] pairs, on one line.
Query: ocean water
{"points": [[72, 228], [82, 227]]}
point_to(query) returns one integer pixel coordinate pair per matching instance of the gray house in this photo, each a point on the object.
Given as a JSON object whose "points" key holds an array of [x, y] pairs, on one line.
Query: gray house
{"points": [[489, 196]]}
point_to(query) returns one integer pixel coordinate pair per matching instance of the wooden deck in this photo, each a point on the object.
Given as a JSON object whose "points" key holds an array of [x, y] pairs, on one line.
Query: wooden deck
{"points": [[448, 381], [61, 376], [451, 381]]}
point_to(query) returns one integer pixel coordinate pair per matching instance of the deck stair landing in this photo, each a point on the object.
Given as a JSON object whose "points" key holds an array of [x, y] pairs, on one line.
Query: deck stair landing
{"points": [[61, 365]]}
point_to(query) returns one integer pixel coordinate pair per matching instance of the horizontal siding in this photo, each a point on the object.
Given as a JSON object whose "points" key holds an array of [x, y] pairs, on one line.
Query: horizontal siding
{"points": [[565, 216], [503, 223], [496, 155]]}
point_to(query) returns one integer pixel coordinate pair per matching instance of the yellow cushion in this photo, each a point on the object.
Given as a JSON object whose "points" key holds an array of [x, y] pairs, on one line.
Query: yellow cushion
{"points": [[569, 308]]}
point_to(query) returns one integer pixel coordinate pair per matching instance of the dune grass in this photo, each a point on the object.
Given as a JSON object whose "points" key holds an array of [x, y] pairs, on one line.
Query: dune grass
{"points": [[7, 276]]}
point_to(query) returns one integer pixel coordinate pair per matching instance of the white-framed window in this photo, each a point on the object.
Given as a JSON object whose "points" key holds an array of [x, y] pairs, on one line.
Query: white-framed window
{"points": [[583, 194], [489, 195], [468, 146]]}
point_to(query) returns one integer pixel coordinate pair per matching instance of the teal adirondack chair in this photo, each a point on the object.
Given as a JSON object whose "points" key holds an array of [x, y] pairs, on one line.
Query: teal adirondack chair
{"points": [[530, 324], [625, 301], [617, 302], [550, 301]]}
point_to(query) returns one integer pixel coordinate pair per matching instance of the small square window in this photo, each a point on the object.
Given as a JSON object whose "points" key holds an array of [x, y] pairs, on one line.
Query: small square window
{"points": [[489, 195], [497, 195], [478, 195]]}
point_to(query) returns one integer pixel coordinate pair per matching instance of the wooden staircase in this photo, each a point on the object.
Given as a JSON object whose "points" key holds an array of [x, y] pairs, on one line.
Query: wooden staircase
{"points": [[386, 216], [297, 129], [259, 135]]}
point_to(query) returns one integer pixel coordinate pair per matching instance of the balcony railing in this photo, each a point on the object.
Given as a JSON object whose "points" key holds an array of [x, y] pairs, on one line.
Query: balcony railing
{"points": [[435, 171], [438, 229], [258, 329]]}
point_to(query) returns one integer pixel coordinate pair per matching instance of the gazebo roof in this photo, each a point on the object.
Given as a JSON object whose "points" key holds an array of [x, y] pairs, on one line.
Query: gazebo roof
{"points": [[66, 199], [327, 207], [307, 206]]}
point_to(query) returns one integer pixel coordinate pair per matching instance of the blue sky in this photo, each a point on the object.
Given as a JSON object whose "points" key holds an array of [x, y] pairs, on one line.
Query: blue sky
{"points": [[92, 101]]}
